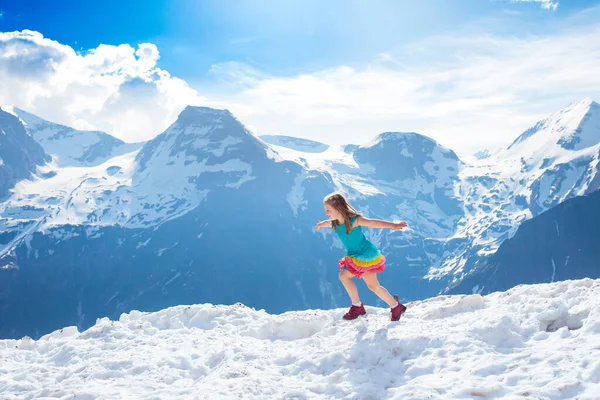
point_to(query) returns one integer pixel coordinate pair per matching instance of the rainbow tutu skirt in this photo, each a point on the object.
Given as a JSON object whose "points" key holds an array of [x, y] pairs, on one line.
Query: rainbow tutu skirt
{"points": [[359, 265]]}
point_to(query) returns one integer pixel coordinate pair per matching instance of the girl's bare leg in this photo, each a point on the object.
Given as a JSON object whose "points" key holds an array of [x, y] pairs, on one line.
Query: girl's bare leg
{"points": [[349, 285], [372, 282]]}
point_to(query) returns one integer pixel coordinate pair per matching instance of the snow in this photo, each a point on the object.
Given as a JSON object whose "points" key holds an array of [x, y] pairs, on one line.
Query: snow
{"points": [[70, 147], [71, 195], [535, 341], [295, 197], [304, 145], [322, 161], [342, 167]]}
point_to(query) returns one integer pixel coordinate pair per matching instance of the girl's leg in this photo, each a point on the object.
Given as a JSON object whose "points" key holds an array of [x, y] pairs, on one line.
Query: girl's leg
{"points": [[370, 279], [346, 278]]}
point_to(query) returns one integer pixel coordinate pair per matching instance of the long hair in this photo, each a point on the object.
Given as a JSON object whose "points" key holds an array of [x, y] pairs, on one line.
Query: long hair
{"points": [[340, 203]]}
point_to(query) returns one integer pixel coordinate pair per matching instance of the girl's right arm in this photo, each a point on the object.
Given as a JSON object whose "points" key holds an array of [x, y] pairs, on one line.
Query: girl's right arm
{"points": [[323, 224]]}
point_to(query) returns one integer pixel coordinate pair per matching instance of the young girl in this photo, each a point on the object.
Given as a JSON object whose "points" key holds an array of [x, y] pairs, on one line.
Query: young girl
{"points": [[363, 258]]}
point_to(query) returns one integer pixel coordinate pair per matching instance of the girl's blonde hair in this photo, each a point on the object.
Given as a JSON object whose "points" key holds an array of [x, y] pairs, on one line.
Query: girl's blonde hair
{"points": [[339, 202]]}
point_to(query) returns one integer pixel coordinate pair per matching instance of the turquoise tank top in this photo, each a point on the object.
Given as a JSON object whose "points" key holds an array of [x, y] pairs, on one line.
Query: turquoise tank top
{"points": [[356, 243]]}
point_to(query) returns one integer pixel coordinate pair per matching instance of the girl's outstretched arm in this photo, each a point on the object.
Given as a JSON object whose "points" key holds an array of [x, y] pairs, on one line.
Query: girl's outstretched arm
{"points": [[323, 224], [378, 223]]}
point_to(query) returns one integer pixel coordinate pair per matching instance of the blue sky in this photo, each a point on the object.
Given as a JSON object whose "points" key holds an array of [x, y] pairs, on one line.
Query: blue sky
{"points": [[237, 53], [279, 37]]}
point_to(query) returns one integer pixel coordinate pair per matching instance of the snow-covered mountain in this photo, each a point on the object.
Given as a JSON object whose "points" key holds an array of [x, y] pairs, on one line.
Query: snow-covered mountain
{"points": [[531, 342], [20, 155], [203, 149], [166, 178], [71, 147], [208, 212], [555, 160]]}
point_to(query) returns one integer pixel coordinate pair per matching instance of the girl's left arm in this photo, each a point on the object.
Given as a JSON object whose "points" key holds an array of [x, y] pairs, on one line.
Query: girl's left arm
{"points": [[378, 223]]}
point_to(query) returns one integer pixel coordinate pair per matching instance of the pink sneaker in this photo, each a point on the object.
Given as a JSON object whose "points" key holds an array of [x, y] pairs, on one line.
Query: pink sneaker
{"points": [[397, 311], [355, 312]]}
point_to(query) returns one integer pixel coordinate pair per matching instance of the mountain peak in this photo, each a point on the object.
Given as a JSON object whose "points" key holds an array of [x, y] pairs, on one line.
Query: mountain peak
{"points": [[73, 147], [576, 127], [408, 143], [205, 110], [202, 135], [398, 136], [205, 123], [406, 155], [586, 102], [204, 115]]}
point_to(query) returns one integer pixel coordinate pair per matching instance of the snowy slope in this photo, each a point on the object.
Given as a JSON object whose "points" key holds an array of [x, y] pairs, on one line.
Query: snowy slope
{"points": [[71, 147], [308, 146], [538, 341]]}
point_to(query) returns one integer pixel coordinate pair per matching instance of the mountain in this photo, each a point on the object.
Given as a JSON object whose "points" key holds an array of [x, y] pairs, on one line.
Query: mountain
{"points": [[156, 227], [20, 155], [570, 129], [533, 341], [71, 147], [559, 244], [305, 145], [208, 212], [165, 178], [555, 160]]}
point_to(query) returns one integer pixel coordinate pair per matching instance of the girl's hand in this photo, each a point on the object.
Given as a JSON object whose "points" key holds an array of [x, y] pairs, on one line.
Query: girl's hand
{"points": [[400, 225]]}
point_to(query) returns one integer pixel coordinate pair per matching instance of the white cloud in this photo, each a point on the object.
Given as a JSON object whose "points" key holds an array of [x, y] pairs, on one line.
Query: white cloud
{"points": [[117, 89], [548, 4], [471, 92]]}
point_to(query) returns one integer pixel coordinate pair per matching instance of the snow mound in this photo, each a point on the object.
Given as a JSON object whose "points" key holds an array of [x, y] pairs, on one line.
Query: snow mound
{"points": [[510, 344]]}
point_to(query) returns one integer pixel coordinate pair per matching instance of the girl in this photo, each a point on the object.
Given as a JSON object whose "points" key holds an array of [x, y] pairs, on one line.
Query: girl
{"points": [[363, 258]]}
